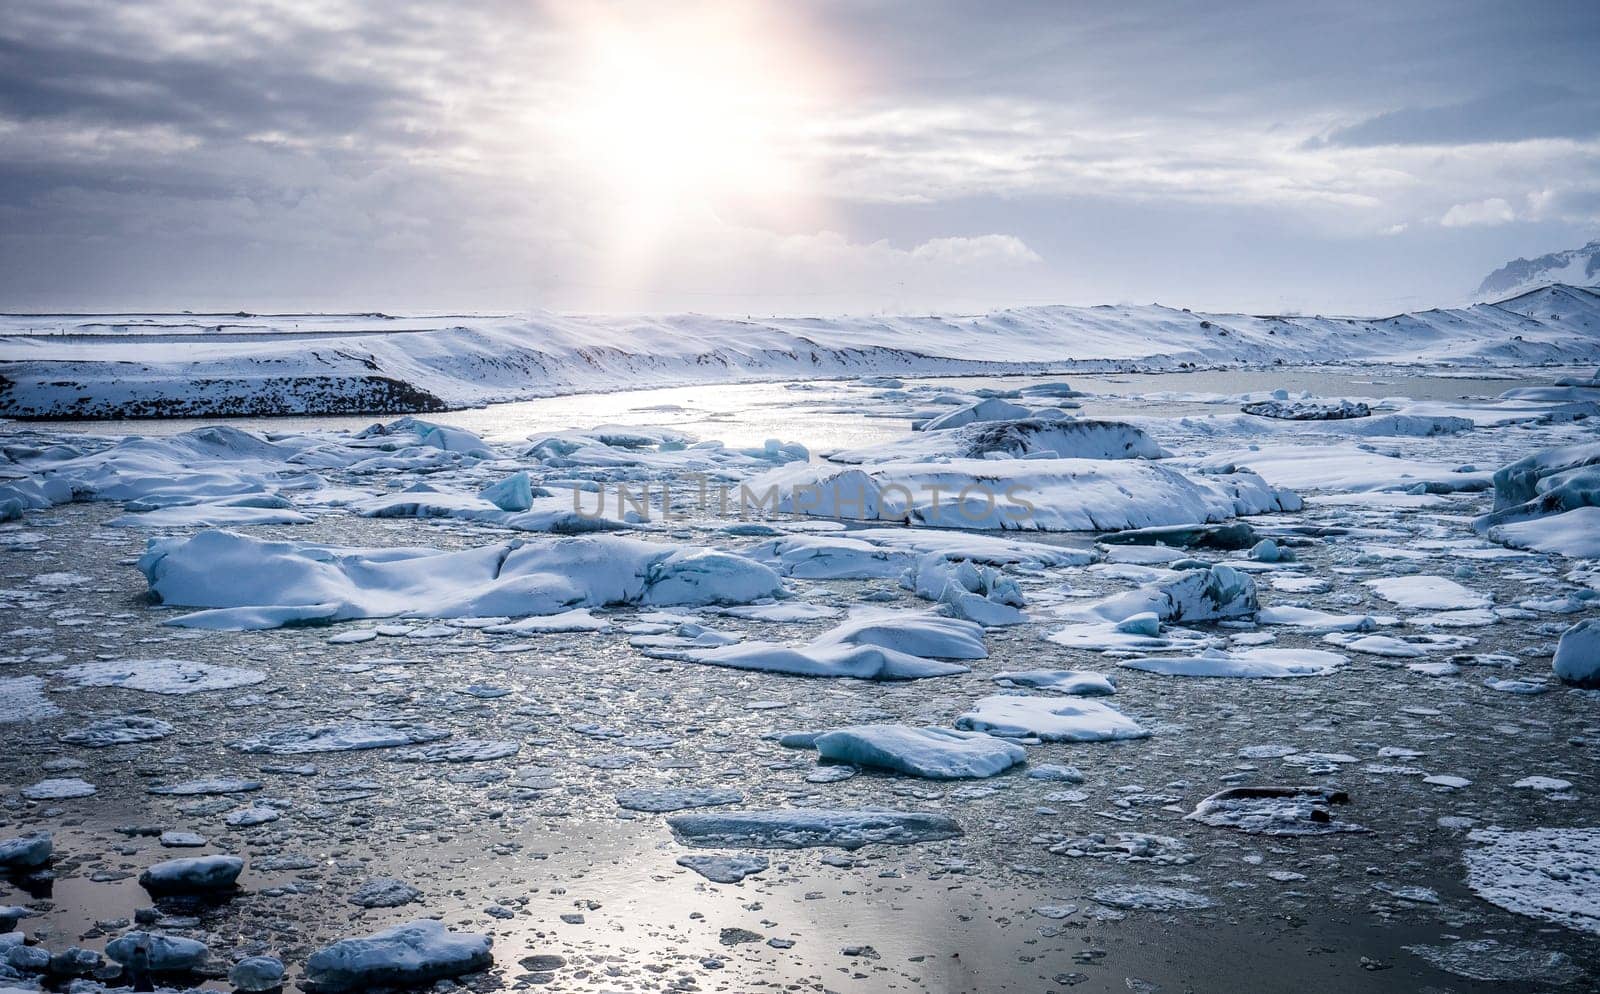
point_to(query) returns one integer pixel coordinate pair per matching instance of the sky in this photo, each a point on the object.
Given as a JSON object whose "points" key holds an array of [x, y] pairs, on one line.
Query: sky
{"points": [[796, 157]]}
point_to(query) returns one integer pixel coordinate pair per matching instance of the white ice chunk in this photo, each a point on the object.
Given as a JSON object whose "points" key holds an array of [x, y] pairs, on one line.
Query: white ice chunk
{"points": [[410, 955], [934, 753], [217, 569], [1247, 663], [1050, 719]]}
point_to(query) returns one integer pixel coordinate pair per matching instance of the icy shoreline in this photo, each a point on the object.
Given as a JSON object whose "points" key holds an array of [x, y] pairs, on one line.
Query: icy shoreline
{"points": [[144, 365]]}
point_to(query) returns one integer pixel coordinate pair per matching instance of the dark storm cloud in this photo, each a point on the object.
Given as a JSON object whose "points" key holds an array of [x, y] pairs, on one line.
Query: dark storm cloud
{"points": [[223, 92]]}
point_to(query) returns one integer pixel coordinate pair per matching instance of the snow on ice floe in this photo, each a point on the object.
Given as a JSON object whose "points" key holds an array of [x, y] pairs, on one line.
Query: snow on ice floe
{"points": [[1274, 811], [882, 553], [933, 753], [1491, 960], [1022, 494], [663, 799], [724, 869], [546, 512], [59, 789], [987, 409], [1073, 683], [26, 852], [1050, 719], [1343, 468], [1575, 533], [409, 955], [1318, 620], [577, 620], [208, 786], [1247, 663], [803, 828], [227, 512], [873, 645], [260, 583], [1428, 593], [1552, 874], [1577, 658], [1149, 897], [1547, 502], [197, 874], [1308, 410], [22, 698], [1211, 594], [301, 739], [157, 951], [981, 594], [172, 677], [117, 730], [460, 751], [1012, 439]]}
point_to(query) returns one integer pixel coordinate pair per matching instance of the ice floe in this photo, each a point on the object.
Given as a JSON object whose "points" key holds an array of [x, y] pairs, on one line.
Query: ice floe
{"points": [[933, 753], [1577, 658], [408, 955], [1275, 811], [1013, 439], [906, 645], [1050, 719], [1022, 494], [1246, 663], [1211, 594], [802, 828], [305, 739], [194, 875], [171, 677], [241, 575], [1552, 874]]}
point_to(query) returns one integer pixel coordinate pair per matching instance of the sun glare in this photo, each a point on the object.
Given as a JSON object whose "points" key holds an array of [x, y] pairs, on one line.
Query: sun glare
{"points": [[679, 113]]}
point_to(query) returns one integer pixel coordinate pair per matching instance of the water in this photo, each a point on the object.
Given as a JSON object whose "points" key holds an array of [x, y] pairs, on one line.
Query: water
{"points": [[827, 414]]}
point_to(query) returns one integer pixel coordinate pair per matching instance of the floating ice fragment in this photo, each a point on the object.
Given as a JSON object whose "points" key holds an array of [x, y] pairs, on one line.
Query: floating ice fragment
{"points": [[934, 753], [801, 828]]}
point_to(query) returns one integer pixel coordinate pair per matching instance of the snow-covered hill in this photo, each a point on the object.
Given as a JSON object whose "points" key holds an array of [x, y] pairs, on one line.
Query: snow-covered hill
{"points": [[208, 365], [1574, 267]]}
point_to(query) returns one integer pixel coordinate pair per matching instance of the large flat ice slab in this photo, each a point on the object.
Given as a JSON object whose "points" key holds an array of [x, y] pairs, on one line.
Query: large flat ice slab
{"points": [[242, 575]]}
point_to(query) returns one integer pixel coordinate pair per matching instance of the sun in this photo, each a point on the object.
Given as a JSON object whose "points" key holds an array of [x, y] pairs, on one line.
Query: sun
{"points": [[679, 110]]}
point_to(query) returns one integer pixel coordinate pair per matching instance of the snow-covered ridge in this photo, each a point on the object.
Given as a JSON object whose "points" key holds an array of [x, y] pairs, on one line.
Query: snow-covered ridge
{"points": [[1578, 266], [166, 365]]}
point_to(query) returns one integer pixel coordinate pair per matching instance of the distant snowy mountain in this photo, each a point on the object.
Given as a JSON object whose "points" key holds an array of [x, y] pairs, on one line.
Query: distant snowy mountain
{"points": [[1574, 267]]}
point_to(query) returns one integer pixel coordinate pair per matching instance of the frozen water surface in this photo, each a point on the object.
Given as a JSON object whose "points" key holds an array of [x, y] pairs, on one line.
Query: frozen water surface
{"points": [[550, 768]]}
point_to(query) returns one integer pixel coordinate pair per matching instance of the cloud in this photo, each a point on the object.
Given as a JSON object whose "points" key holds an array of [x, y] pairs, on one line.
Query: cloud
{"points": [[300, 149], [1007, 249], [1517, 114], [1479, 214]]}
